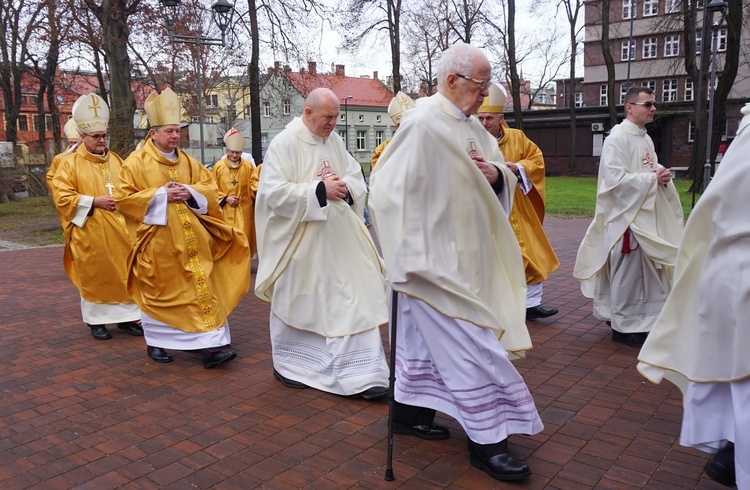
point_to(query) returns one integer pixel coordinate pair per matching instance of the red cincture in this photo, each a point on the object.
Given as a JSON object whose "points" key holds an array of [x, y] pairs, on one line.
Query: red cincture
{"points": [[626, 244]]}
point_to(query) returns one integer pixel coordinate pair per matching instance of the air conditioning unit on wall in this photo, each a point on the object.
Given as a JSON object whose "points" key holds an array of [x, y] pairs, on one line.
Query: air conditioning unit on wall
{"points": [[597, 127]]}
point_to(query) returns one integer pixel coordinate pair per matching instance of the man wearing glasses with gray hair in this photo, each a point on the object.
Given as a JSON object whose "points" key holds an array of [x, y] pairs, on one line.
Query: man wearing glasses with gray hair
{"points": [[626, 260]]}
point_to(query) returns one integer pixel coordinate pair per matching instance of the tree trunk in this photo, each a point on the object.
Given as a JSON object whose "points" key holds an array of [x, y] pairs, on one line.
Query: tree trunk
{"points": [[610, 63], [515, 83], [254, 79], [394, 19]]}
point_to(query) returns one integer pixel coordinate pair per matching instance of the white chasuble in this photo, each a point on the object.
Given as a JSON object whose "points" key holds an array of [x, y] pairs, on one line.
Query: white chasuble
{"points": [[318, 265]]}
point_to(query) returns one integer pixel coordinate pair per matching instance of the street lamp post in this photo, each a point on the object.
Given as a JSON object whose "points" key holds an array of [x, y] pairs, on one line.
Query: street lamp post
{"points": [[346, 119], [716, 6], [222, 16]]}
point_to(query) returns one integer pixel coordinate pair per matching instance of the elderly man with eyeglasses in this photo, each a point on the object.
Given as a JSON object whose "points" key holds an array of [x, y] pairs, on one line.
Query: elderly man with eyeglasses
{"points": [[97, 241], [440, 199], [626, 260]]}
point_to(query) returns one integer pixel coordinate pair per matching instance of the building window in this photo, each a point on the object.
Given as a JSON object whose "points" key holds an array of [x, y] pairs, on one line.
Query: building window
{"points": [[378, 137], [267, 109], [672, 6], [691, 131], [672, 45], [624, 90], [649, 47], [248, 111], [650, 7], [361, 140], [60, 100], [361, 118], [23, 100], [698, 42], [286, 107], [603, 94], [649, 84], [378, 118], [689, 89], [722, 35], [264, 140], [32, 99], [23, 122], [628, 50], [342, 133], [212, 100], [669, 91], [578, 99], [628, 9]]}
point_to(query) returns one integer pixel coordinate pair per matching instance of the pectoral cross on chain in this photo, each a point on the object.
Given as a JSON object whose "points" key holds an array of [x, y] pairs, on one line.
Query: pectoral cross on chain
{"points": [[234, 181], [109, 187]]}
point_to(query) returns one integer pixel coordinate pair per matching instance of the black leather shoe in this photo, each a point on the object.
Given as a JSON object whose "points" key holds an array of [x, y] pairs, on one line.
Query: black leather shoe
{"points": [[372, 393], [720, 467], [539, 312], [133, 328], [432, 432], [500, 466], [289, 383], [632, 339], [100, 332], [215, 358], [157, 354]]}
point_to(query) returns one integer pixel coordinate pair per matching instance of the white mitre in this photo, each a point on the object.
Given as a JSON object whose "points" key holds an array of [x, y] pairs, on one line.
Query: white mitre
{"points": [[234, 140], [91, 114], [495, 101], [399, 104], [71, 130], [163, 108]]}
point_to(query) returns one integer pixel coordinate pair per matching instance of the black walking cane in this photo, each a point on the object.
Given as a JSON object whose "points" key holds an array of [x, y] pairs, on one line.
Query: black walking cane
{"points": [[391, 386]]}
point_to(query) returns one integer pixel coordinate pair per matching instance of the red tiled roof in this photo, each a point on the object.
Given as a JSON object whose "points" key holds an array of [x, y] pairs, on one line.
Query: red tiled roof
{"points": [[365, 92]]}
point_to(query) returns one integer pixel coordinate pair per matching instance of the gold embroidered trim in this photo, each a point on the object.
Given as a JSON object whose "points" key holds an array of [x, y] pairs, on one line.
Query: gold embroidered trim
{"points": [[104, 170], [199, 276]]}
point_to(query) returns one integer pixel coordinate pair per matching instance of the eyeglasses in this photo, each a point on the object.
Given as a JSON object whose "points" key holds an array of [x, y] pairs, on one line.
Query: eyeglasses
{"points": [[648, 104], [97, 136], [483, 84]]}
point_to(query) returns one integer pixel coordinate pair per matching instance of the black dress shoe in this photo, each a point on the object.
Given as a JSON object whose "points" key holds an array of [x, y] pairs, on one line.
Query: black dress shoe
{"points": [[157, 354], [100, 332], [501, 465], [632, 339], [372, 393], [539, 312], [213, 358], [720, 467], [289, 383], [431, 432], [133, 328]]}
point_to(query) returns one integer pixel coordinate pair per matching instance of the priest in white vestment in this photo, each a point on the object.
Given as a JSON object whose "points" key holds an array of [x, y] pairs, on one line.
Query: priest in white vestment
{"points": [[626, 260], [701, 340], [440, 195], [317, 264]]}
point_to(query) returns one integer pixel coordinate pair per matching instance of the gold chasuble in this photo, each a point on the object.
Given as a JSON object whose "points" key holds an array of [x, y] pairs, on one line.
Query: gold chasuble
{"points": [[191, 272], [527, 215], [240, 181], [96, 247]]}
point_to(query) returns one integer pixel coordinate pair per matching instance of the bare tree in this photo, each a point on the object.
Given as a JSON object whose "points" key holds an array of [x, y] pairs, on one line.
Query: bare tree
{"points": [[366, 18], [426, 35], [113, 16], [468, 16]]}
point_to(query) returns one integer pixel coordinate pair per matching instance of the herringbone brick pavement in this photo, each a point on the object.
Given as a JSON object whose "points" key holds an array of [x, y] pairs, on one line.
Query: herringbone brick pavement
{"points": [[80, 413]]}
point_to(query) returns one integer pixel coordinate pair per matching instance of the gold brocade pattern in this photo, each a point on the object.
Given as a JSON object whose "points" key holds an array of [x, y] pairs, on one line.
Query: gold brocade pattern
{"points": [[230, 214], [104, 170], [202, 290]]}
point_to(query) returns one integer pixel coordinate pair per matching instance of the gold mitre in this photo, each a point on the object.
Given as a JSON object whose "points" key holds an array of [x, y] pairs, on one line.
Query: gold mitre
{"points": [[234, 140], [163, 108], [91, 114], [399, 104], [71, 130], [495, 101]]}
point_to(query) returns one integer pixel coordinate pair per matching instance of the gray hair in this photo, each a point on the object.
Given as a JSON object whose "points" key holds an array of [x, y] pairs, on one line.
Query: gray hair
{"points": [[459, 58]]}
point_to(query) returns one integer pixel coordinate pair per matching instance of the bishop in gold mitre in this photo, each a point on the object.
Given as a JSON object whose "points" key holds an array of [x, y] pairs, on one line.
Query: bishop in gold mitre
{"points": [[396, 109], [525, 159], [97, 241], [188, 269], [237, 179]]}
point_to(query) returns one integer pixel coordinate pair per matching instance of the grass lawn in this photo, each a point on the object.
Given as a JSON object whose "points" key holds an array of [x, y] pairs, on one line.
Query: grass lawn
{"points": [[30, 221], [575, 197]]}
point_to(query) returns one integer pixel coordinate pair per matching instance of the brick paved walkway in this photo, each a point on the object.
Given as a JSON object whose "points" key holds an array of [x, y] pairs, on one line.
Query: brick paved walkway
{"points": [[79, 413]]}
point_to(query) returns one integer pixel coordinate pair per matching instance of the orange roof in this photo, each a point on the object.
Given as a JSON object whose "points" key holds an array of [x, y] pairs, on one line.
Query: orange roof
{"points": [[364, 92]]}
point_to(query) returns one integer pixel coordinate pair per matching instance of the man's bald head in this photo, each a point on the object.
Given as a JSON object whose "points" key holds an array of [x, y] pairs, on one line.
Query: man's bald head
{"points": [[321, 112]]}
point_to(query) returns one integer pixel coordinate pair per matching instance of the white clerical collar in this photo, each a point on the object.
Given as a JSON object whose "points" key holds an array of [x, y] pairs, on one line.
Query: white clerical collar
{"points": [[233, 164], [172, 155], [633, 128]]}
